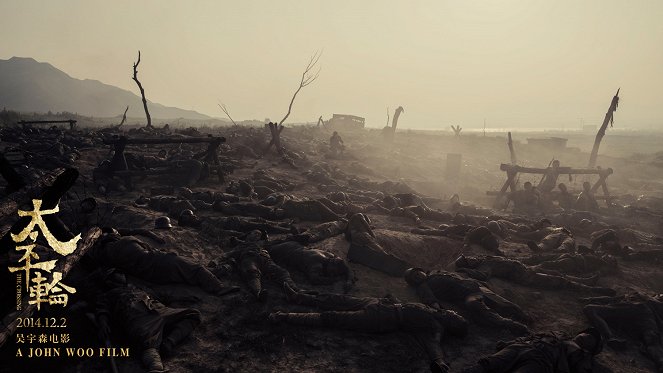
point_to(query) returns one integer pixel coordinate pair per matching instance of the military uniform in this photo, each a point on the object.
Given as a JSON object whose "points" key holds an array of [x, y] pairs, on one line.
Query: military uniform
{"points": [[638, 315], [253, 262], [313, 262], [308, 210], [380, 316], [364, 249], [485, 307], [136, 258], [541, 353], [515, 271]]}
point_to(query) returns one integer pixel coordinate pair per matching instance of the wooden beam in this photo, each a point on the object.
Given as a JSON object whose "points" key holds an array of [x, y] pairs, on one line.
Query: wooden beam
{"points": [[562, 170]]}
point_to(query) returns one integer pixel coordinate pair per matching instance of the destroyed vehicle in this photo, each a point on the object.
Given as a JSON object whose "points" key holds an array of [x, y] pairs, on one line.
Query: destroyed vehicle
{"points": [[345, 122]]}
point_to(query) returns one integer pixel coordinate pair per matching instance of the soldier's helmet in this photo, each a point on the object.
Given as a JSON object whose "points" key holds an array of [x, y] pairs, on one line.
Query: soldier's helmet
{"points": [[495, 227], [88, 205], [185, 216], [106, 163], [414, 277], [162, 222], [184, 192]]}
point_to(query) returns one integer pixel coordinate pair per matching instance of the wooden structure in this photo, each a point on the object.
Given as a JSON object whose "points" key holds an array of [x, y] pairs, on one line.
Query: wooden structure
{"points": [[26, 123], [119, 162], [512, 172]]}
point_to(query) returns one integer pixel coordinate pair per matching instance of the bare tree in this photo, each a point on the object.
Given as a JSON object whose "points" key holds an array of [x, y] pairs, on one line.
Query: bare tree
{"points": [[307, 78], [225, 110], [456, 130], [142, 92]]}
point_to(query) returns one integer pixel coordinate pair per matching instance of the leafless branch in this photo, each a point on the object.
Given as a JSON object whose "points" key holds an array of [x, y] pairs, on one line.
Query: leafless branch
{"points": [[307, 78], [225, 110]]}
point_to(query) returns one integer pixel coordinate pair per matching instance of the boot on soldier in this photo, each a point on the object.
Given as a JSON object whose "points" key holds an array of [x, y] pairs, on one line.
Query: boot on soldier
{"points": [[152, 361]]}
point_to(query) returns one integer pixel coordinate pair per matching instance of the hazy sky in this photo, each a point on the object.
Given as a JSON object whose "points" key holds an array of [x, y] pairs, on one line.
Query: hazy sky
{"points": [[517, 63]]}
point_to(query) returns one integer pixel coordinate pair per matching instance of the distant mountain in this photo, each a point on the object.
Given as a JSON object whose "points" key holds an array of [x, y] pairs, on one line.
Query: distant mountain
{"points": [[31, 86]]}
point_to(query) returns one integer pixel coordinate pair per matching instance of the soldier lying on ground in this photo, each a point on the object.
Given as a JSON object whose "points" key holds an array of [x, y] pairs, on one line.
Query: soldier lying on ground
{"points": [[485, 267], [561, 240], [248, 209], [148, 324], [456, 207], [343, 208], [543, 353], [574, 264], [310, 210], [254, 262], [481, 235], [320, 232], [321, 267], [608, 241], [171, 205], [135, 257], [416, 213], [351, 197], [484, 306], [379, 315], [214, 226], [637, 315], [364, 248]]}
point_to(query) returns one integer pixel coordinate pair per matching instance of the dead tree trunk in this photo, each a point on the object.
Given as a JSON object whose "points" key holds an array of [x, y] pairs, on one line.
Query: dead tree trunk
{"points": [[275, 130], [511, 151], [456, 130], [124, 117], [142, 92], [394, 121], [609, 118], [320, 121]]}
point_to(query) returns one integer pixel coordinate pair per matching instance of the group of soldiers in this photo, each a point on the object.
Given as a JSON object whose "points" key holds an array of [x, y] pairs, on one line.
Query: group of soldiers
{"points": [[267, 233], [536, 199]]}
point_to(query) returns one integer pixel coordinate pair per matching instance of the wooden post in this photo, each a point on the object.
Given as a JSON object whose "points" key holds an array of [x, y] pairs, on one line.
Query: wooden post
{"points": [[511, 151], [609, 118]]}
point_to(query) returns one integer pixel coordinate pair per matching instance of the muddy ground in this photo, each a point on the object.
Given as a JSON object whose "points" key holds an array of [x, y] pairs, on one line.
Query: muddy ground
{"points": [[235, 335]]}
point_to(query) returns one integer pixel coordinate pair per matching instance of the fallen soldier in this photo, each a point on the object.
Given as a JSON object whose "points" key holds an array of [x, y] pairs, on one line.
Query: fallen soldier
{"points": [[637, 315], [378, 315], [364, 248], [155, 328], [543, 353], [484, 306], [254, 262], [321, 267], [134, 257], [484, 267]]}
